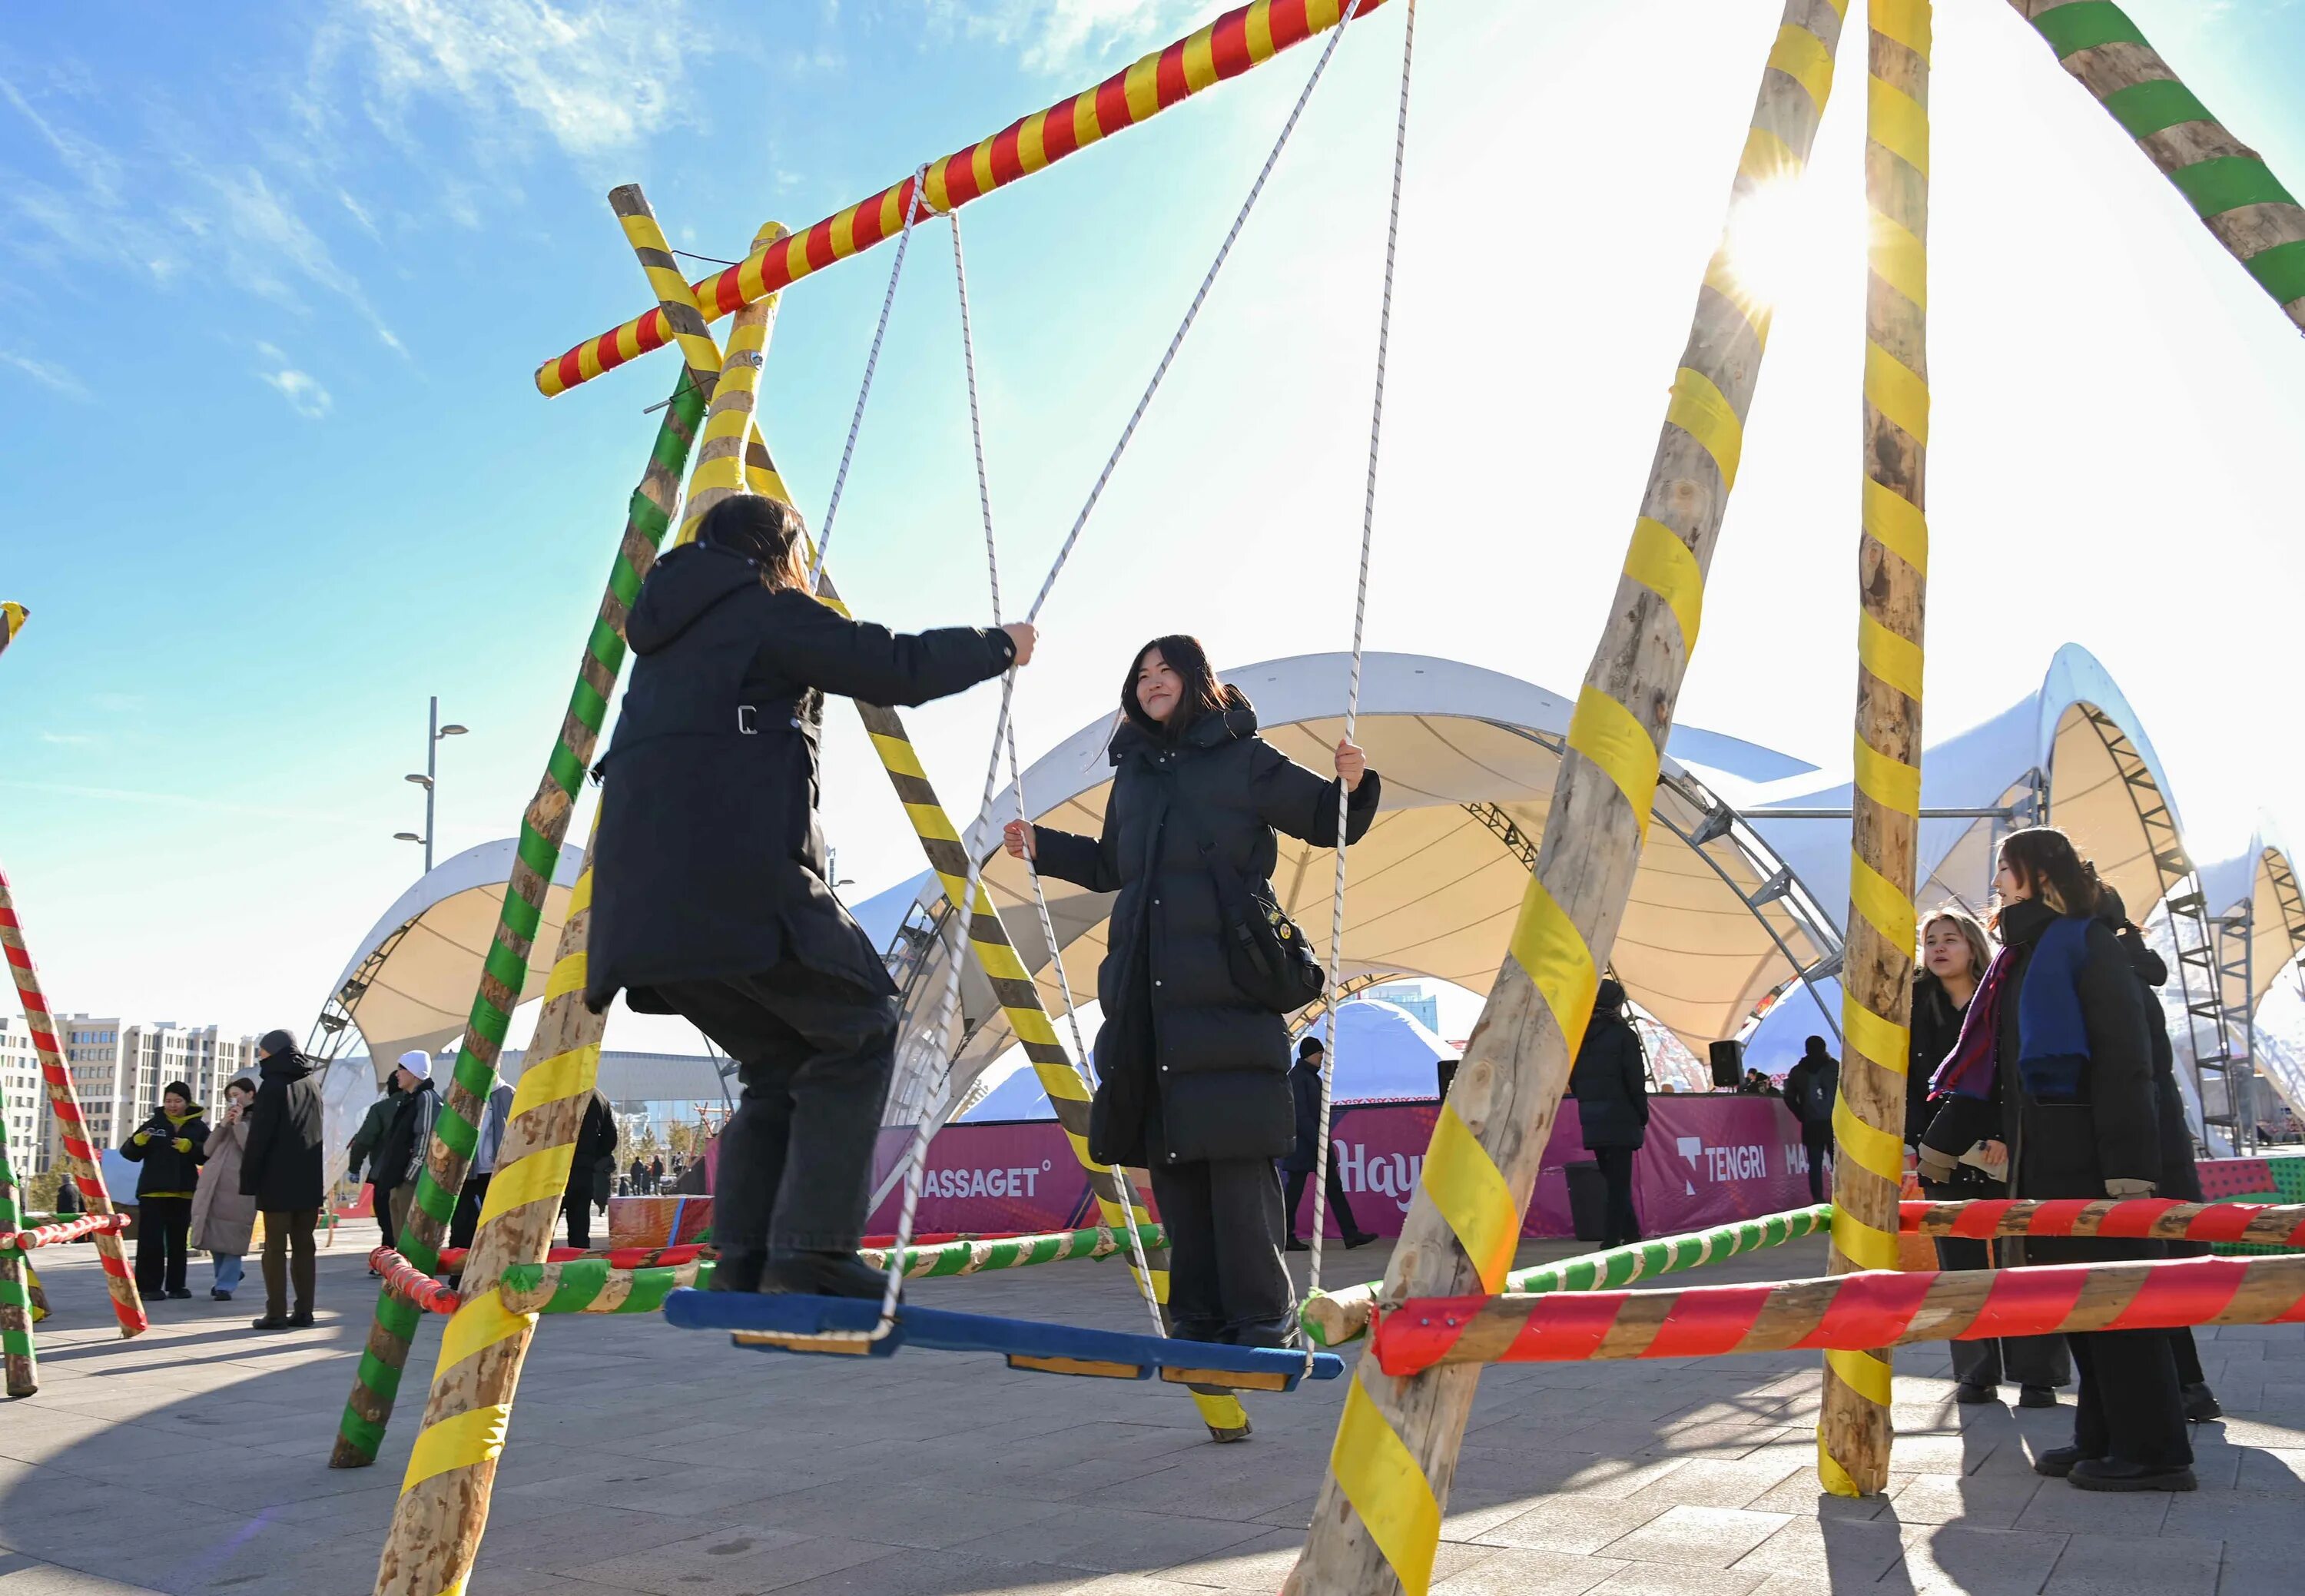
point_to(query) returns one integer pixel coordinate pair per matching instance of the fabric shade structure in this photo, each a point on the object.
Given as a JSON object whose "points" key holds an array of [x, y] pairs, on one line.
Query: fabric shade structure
{"points": [[2258, 915], [1468, 756], [411, 982]]}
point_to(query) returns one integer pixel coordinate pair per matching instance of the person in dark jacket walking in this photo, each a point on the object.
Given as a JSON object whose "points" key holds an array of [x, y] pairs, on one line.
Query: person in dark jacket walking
{"points": [[407, 1140], [1609, 1081], [1812, 1087], [285, 1170], [362, 1148], [712, 897], [1193, 1072], [1955, 952], [591, 1170], [2053, 1074], [1303, 1159], [171, 1146], [2181, 1178]]}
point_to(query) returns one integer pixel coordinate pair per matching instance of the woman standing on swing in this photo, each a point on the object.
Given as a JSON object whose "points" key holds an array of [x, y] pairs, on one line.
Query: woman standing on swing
{"points": [[1194, 1070], [711, 898]]}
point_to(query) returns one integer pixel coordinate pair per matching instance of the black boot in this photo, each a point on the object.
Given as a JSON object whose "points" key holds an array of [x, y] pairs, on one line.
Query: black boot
{"points": [[2201, 1403], [739, 1271], [821, 1275]]}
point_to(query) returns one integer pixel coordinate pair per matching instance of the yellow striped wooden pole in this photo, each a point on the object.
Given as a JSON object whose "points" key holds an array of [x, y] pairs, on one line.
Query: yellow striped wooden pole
{"points": [[1854, 1436], [1377, 1521], [1013, 986]]}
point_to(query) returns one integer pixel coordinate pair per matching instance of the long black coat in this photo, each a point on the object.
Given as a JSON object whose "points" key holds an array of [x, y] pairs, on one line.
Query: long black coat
{"points": [[1304, 1102], [1935, 1027], [2113, 1133], [2181, 1177], [284, 1166], [1611, 1085], [1220, 1062], [710, 862]]}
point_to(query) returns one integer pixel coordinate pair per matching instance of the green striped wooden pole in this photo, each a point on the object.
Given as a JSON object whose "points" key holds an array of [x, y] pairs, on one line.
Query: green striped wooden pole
{"points": [[23, 1375], [542, 829], [2226, 182]]}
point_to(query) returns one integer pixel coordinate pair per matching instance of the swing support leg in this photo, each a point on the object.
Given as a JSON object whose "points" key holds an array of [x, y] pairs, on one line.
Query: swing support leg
{"points": [[1377, 1522], [1854, 1435]]}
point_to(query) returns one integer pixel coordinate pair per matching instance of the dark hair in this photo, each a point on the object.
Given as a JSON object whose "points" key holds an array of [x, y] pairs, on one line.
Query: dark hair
{"points": [[177, 1089], [243, 1083], [1311, 1046], [1203, 693], [767, 532], [2043, 857], [1814, 1046], [1609, 999]]}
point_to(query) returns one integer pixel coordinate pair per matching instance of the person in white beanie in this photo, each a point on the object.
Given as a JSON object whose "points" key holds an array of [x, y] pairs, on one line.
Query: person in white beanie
{"points": [[400, 1155]]}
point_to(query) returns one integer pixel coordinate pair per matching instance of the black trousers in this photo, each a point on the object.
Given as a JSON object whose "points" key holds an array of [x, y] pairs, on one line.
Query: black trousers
{"points": [[1298, 1179], [1227, 1280], [465, 1222], [380, 1203], [2129, 1408], [576, 1207], [1621, 1225], [163, 1228], [815, 1054], [2029, 1360], [288, 1258], [1816, 1142], [2189, 1358]]}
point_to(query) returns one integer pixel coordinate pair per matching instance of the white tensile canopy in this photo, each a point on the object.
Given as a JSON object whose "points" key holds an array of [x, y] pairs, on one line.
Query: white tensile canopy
{"points": [[1468, 759]]}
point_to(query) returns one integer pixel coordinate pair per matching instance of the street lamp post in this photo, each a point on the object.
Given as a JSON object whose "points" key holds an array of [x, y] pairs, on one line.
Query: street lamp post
{"points": [[433, 732]]}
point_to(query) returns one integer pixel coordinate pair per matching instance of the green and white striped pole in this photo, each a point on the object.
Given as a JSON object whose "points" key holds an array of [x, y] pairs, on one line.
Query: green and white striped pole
{"points": [[23, 1375], [542, 829], [2227, 183], [1332, 1320]]}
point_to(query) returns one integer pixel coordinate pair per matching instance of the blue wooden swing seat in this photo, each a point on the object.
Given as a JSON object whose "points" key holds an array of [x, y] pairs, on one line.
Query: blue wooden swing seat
{"points": [[798, 1324]]}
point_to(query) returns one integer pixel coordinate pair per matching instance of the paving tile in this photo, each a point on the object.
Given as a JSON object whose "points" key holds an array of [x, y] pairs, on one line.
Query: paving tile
{"points": [[1698, 1537], [21, 1575], [1948, 1557], [1116, 1540], [922, 1573], [1657, 1579], [2147, 1565], [1574, 1524], [2058, 1507], [1716, 1482], [1800, 1496], [2272, 1469], [2237, 1515], [728, 1562], [1984, 1502], [1845, 1551], [1522, 1571]]}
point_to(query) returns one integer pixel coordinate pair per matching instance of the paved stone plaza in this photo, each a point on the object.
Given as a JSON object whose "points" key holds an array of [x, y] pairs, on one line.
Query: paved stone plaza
{"points": [[647, 1460]]}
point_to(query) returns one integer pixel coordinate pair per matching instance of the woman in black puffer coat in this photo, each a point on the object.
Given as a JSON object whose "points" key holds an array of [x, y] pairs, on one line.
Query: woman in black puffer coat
{"points": [[1194, 1075], [2053, 1079], [1609, 1081]]}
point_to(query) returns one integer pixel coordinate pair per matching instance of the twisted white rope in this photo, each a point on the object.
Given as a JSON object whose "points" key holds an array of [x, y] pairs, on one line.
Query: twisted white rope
{"points": [[1192, 312], [865, 392], [1353, 692]]}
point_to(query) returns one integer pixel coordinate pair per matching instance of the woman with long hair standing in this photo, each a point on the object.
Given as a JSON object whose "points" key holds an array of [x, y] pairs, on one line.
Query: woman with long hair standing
{"points": [[1192, 1070], [2052, 1079], [1609, 1081], [1955, 952], [712, 895]]}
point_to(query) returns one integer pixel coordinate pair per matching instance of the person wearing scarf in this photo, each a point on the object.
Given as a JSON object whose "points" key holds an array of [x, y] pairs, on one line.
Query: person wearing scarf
{"points": [[2052, 1082]]}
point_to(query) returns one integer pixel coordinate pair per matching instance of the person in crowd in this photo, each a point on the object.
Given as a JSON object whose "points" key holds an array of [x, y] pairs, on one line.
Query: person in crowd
{"points": [[1305, 1086], [465, 1221], [285, 1170], [590, 1171], [1757, 1085], [636, 1177], [361, 1149], [656, 1173], [1812, 1087], [1610, 1081], [407, 1140], [1955, 952], [171, 1146], [2051, 1080], [2181, 1178], [224, 1218], [1194, 1072], [712, 897], [68, 1200]]}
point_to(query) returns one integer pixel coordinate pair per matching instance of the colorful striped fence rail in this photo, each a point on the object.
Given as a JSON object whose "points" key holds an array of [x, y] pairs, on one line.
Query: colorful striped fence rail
{"points": [[20, 1368], [1334, 1319], [1875, 1308], [405, 1281], [617, 1257], [1225, 48], [62, 1231], [2132, 1218]]}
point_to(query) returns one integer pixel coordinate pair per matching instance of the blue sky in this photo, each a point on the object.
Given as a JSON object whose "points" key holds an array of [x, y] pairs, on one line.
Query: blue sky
{"points": [[274, 288]]}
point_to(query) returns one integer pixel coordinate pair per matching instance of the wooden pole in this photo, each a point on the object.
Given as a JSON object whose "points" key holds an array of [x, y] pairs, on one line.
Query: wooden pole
{"points": [[2226, 182], [1013, 986], [1868, 1168], [1378, 1518], [2128, 1219], [81, 1161], [543, 828]]}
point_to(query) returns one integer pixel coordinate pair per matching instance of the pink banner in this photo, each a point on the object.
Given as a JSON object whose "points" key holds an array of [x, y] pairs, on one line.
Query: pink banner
{"points": [[1708, 1160]]}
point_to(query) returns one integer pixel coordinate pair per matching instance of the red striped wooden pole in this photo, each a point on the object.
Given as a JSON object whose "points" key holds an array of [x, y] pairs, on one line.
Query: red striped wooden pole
{"points": [[1877, 1309], [2128, 1219]]}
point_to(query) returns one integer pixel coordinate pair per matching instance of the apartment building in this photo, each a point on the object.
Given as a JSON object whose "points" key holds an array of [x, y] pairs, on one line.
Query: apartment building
{"points": [[20, 1098], [119, 1068]]}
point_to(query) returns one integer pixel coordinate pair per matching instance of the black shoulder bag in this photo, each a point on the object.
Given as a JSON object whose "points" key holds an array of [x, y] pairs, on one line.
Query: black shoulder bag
{"points": [[1265, 951]]}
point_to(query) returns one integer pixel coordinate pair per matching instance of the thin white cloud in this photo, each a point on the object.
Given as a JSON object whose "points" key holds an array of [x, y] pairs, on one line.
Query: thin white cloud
{"points": [[70, 739], [1063, 37], [173, 800], [47, 373], [302, 390]]}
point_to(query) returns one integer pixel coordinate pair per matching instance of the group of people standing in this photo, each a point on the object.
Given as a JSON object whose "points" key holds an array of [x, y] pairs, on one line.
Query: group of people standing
{"points": [[202, 1186]]}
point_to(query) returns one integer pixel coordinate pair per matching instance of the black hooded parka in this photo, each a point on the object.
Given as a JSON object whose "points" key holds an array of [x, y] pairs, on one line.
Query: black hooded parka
{"points": [[709, 863], [1218, 1062], [284, 1166]]}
